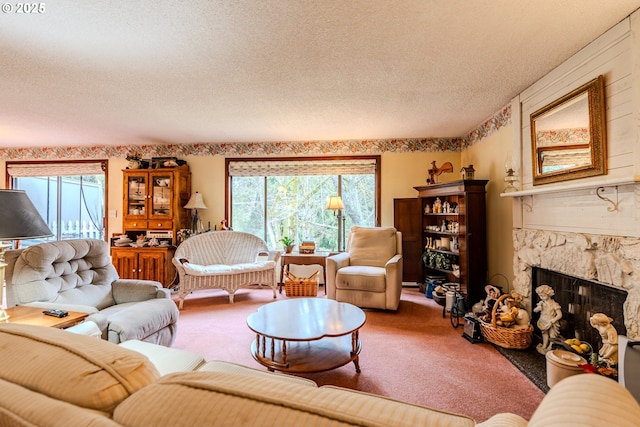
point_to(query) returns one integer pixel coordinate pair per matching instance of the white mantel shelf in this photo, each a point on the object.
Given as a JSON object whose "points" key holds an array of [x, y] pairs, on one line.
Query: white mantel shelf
{"points": [[577, 186]]}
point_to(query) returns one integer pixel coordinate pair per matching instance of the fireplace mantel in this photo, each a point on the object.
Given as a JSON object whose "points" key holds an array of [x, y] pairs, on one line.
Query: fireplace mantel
{"points": [[572, 187]]}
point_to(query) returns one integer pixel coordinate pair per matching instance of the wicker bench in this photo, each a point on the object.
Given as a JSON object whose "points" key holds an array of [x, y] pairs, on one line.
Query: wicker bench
{"points": [[225, 260]]}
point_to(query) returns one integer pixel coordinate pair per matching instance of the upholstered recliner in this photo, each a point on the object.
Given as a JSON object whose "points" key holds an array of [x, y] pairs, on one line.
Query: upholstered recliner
{"points": [[77, 275], [369, 273]]}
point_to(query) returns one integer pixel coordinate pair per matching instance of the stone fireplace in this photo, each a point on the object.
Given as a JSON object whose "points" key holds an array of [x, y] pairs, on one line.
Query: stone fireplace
{"points": [[608, 261]]}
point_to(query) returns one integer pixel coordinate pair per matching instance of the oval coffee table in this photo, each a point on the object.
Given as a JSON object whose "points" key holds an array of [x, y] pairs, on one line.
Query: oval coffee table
{"points": [[306, 335]]}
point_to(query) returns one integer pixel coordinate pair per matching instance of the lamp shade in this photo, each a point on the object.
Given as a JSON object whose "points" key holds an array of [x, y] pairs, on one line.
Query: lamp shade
{"points": [[19, 218], [335, 203], [195, 202]]}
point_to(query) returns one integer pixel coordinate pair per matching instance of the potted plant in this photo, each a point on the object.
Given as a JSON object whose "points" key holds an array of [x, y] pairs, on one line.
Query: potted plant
{"points": [[288, 243]]}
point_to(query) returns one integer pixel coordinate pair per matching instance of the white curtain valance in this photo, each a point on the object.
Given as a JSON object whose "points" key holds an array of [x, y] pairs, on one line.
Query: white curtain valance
{"points": [[302, 167], [18, 170]]}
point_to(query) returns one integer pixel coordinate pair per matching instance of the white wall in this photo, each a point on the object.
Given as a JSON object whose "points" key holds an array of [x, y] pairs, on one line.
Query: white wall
{"points": [[616, 55]]}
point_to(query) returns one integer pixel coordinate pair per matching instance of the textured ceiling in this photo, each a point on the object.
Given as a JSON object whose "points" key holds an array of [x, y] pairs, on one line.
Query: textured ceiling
{"points": [[138, 72]]}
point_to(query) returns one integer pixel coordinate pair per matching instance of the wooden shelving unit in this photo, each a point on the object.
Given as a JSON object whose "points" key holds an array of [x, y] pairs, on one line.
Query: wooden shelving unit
{"points": [[463, 224]]}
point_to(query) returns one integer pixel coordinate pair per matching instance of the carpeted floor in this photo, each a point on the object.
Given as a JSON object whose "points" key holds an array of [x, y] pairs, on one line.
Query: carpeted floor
{"points": [[412, 355]]}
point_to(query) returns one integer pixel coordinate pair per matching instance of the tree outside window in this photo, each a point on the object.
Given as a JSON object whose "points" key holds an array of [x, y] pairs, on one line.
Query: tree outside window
{"points": [[273, 205]]}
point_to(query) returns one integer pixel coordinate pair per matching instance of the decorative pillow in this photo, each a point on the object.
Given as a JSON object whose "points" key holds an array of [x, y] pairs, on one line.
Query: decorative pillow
{"points": [[78, 369]]}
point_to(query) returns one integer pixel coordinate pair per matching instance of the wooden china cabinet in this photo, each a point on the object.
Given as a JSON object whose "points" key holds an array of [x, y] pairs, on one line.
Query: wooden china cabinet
{"points": [[153, 201], [435, 241]]}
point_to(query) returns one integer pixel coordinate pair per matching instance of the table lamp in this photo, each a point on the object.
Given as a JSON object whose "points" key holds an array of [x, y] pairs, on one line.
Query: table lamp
{"points": [[334, 203], [19, 219], [195, 202]]}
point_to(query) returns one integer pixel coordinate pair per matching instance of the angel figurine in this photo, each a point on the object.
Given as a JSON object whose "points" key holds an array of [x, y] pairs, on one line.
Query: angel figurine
{"points": [[609, 335], [550, 315]]}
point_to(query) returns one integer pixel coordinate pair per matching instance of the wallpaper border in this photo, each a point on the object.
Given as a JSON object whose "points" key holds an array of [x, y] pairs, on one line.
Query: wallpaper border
{"points": [[264, 149]]}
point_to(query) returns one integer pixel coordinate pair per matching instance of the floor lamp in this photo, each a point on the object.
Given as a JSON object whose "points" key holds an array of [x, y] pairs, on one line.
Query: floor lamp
{"points": [[335, 204], [19, 219]]}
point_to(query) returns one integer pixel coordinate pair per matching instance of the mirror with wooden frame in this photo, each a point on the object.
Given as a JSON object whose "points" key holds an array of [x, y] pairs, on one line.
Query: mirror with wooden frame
{"points": [[568, 136]]}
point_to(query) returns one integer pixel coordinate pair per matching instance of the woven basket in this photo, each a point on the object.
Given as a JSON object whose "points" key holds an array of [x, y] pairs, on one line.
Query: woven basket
{"points": [[301, 286], [505, 337]]}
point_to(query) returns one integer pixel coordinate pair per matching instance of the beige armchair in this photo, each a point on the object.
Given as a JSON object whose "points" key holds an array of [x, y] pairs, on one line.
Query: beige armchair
{"points": [[369, 273]]}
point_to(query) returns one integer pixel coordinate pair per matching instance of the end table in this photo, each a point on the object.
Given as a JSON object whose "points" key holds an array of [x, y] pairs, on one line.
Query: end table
{"points": [[296, 258], [34, 316]]}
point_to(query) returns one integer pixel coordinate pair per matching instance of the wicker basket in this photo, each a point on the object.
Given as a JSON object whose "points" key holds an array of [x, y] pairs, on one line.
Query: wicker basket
{"points": [[301, 286], [505, 337]]}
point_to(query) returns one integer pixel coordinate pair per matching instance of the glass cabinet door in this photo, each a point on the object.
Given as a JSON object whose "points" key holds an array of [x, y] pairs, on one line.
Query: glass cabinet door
{"points": [[136, 194], [161, 190]]}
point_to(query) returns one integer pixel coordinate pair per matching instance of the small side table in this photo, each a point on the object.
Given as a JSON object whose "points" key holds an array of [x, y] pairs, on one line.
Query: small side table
{"points": [[296, 258], [34, 316]]}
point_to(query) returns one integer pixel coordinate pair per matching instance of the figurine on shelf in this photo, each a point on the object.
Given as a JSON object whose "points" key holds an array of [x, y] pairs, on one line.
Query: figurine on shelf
{"points": [[550, 315], [134, 159], [437, 206], [609, 335]]}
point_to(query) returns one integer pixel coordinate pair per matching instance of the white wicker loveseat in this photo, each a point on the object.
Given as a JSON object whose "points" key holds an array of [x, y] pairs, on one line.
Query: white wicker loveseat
{"points": [[225, 260]]}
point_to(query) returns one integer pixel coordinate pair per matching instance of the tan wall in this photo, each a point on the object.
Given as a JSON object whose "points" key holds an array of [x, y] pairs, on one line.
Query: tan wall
{"points": [[400, 173], [488, 158], [403, 171]]}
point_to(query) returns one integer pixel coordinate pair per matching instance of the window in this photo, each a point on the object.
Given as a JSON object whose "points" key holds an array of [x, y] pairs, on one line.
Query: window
{"points": [[70, 196], [287, 197]]}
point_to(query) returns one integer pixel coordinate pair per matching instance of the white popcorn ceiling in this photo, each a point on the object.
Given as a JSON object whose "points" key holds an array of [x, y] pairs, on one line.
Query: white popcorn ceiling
{"points": [[139, 72]]}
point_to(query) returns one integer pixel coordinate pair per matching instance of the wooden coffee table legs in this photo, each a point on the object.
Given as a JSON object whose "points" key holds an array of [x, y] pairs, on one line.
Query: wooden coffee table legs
{"points": [[307, 356]]}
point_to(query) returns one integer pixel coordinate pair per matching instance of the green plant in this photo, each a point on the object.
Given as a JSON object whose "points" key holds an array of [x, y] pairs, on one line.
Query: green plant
{"points": [[287, 241]]}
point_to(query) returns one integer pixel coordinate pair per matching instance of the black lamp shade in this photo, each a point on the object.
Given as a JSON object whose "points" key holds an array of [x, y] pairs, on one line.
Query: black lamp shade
{"points": [[19, 218]]}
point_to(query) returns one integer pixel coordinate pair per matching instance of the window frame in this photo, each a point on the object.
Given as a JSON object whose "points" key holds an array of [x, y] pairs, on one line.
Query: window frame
{"points": [[227, 188], [104, 165]]}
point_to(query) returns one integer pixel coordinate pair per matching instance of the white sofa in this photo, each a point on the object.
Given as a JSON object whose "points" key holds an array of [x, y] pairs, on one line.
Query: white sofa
{"points": [[53, 378], [225, 260]]}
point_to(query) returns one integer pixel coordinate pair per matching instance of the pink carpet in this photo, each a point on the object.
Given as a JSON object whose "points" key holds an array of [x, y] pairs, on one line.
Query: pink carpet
{"points": [[413, 355]]}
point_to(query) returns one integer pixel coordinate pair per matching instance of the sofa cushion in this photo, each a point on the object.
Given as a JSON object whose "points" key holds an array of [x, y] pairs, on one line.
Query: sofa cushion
{"points": [[213, 269], [66, 272], [234, 368], [166, 360], [361, 278], [570, 402], [77, 369], [372, 246], [221, 398], [22, 407]]}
